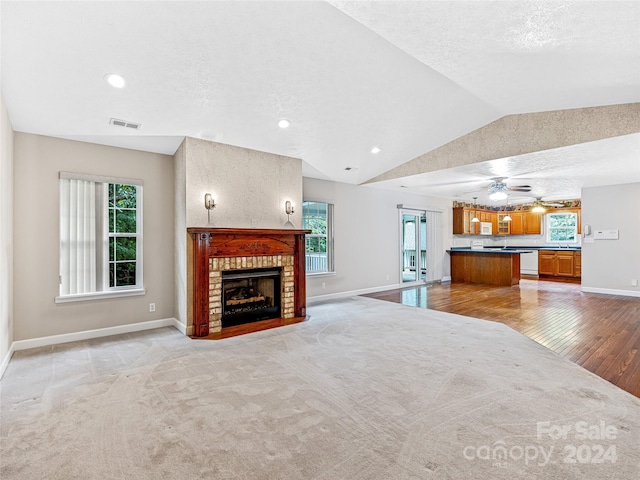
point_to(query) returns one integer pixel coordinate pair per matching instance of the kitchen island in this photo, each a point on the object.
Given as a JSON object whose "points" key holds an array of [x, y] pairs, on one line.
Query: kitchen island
{"points": [[486, 266]]}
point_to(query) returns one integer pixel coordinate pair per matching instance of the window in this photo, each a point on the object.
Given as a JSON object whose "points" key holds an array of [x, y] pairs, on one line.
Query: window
{"points": [[100, 237], [562, 227], [318, 217], [123, 235]]}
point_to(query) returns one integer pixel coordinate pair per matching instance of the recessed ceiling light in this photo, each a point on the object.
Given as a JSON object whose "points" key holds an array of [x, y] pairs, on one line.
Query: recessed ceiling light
{"points": [[115, 80], [284, 123], [375, 150]]}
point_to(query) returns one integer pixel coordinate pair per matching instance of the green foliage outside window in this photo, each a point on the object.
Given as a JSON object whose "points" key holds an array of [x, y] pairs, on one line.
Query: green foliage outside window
{"points": [[314, 218], [122, 248], [563, 227], [317, 217]]}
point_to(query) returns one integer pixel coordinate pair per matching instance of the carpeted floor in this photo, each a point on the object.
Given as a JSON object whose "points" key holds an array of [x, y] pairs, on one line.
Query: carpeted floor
{"points": [[365, 390]]}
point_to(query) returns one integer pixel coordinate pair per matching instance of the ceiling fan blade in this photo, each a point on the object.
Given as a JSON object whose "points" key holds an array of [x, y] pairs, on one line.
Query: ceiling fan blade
{"points": [[521, 188]]}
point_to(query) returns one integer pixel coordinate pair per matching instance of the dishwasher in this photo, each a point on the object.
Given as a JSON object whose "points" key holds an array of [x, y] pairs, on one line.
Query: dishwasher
{"points": [[529, 263]]}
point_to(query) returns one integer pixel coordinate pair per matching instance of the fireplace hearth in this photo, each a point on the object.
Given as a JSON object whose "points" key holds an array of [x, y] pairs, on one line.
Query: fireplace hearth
{"points": [[250, 296]]}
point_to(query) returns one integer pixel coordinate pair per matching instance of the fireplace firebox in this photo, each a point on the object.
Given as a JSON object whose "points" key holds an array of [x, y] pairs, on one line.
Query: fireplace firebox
{"points": [[250, 295]]}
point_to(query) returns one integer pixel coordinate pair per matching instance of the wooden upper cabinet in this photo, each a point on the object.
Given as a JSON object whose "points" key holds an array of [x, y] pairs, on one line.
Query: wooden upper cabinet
{"points": [[462, 221], [522, 222], [504, 228], [517, 223], [462, 224], [532, 223]]}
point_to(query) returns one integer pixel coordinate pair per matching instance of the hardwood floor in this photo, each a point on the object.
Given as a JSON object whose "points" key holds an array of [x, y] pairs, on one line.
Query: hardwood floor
{"points": [[598, 332]]}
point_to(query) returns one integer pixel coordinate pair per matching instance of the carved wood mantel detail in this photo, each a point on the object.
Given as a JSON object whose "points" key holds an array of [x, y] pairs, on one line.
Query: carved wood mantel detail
{"points": [[210, 243]]}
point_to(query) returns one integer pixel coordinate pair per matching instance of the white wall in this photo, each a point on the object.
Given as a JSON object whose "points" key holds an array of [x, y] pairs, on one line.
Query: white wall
{"points": [[6, 232], [38, 160], [609, 266], [366, 235]]}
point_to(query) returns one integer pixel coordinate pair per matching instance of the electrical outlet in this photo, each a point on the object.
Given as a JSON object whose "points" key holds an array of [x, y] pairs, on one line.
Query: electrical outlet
{"points": [[324, 285], [152, 307], [634, 282]]}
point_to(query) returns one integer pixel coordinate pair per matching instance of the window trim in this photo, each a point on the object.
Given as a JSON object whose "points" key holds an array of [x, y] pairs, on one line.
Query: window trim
{"points": [[81, 297], [102, 271], [139, 244], [331, 269], [548, 228]]}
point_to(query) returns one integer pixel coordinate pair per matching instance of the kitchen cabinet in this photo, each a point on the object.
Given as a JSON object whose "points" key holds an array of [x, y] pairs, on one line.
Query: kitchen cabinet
{"points": [[504, 228], [462, 221], [577, 264], [517, 223], [559, 263], [522, 222], [564, 264], [546, 262], [532, 223]]}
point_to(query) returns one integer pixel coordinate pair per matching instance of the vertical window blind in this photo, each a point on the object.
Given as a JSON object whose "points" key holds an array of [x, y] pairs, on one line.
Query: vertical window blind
{"points": [[77, 236]]}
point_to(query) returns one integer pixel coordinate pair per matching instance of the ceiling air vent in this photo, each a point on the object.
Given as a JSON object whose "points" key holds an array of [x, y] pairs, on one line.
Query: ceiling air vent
{"points": [[124, 123]]}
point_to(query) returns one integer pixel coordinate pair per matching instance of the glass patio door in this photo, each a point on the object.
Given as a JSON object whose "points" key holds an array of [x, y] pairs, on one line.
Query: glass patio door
{"points": [[413, 249]]}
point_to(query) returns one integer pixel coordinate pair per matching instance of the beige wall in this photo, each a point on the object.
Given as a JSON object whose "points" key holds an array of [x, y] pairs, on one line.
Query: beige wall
{"points": [[180, 233], [250, 188], [6, 232], [38, 159]]}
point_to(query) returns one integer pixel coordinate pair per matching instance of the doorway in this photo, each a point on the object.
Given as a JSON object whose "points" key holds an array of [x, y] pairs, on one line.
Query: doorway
{"points": [[413, 248]]}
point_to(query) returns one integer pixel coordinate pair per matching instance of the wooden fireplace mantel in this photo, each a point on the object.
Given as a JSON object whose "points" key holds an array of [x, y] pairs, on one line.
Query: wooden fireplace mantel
{"points": [[242, 242]]}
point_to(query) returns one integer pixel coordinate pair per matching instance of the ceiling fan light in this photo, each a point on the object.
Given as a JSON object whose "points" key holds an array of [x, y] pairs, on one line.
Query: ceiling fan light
{"points": [[538, 209], [498, 195]]}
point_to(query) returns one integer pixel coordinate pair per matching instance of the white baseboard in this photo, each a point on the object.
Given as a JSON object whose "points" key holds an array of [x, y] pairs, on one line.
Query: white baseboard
{"points": [[87, 334], [97, 333], [446, 279], [611, 291], [181, 327], [5, 360], [350, 293]]}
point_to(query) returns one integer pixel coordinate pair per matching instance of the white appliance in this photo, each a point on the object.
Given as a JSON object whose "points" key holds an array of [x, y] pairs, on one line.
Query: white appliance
{"points": [[529, 263], [485, 228]]}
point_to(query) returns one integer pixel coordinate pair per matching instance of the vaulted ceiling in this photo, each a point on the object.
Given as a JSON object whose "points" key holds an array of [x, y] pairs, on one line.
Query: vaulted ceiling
{"points": [[405, 76]]}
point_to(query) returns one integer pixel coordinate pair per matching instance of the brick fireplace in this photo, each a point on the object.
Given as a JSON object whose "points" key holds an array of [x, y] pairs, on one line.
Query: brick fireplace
{"points": [[219, 253]]}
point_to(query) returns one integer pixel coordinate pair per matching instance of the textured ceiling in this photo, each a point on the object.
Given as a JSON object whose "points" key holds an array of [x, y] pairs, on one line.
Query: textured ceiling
{"points": [[405, 76]]}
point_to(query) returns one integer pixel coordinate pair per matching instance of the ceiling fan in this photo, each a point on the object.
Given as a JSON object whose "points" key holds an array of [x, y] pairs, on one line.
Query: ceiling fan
{"points": [[498, 189], [539, 205]]}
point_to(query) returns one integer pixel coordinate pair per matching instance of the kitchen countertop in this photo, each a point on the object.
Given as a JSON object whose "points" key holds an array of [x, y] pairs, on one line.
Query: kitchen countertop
{"points": [[537, 247], [506, 251]]}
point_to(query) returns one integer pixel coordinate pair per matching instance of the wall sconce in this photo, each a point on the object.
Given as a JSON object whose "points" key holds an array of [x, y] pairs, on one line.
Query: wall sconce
{"points": [[209, 204], [289, 210]]}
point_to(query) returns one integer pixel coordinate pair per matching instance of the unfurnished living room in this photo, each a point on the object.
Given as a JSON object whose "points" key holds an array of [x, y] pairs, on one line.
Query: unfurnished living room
{"points": [[320, 240]]}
